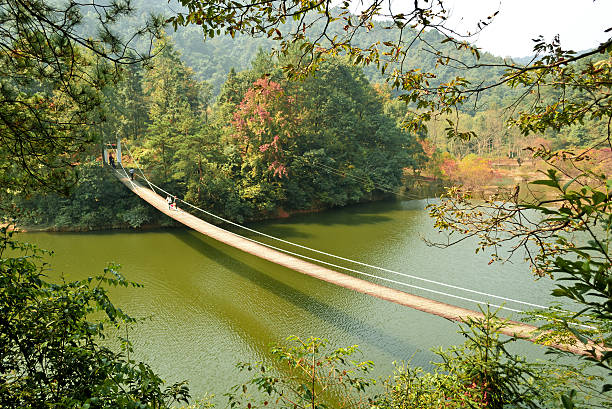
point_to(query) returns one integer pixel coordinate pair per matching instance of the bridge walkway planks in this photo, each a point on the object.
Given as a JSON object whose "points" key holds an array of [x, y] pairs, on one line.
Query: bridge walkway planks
{"points": [[438, 308]]}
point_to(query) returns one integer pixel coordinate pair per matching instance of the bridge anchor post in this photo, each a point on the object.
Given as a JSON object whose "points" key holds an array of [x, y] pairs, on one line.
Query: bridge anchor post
{"points": [[119, 151]]}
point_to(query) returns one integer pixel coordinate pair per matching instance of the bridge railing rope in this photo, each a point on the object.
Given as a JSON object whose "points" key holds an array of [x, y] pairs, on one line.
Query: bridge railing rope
{"points": [[138, 166], [359, 179], [155, 187]]}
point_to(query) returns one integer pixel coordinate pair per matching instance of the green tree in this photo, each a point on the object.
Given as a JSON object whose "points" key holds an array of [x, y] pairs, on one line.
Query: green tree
{"points": [[569, 236], [565, 235], [353, 147], [52, 352], [51, 76], [321, 142], [96, 202], [126, 113], [174, 100]]}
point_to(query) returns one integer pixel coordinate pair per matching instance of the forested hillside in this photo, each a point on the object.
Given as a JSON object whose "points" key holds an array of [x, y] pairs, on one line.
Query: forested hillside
{"points": [[212, 59], [219, 123], [267, 147]]}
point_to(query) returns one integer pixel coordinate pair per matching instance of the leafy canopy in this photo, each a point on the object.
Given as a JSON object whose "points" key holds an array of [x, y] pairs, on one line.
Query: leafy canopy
{"points": [[51, 77], [53, 351]]}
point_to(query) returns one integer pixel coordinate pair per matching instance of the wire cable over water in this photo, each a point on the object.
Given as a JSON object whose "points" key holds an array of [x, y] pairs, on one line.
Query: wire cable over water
{"points": [[478, 302], [344, 258], [356, 178]]}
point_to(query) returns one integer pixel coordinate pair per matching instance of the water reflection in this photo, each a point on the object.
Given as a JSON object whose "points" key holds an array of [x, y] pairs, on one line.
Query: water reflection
{"points": [[211, 305], [361, 329]]}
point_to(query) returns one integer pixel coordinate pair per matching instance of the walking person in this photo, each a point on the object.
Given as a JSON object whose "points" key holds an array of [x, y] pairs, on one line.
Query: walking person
{"points": [[132, 174], [111, 160], [169, 201]]}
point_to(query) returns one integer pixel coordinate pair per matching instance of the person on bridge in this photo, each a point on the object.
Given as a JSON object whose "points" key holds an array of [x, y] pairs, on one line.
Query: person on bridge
{"points": [[169, 200], [132, 174], [111, 160]]}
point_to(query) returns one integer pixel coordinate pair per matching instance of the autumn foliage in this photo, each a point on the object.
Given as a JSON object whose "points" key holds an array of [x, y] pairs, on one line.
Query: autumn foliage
{"points": [[471, 171], [265, 124]]}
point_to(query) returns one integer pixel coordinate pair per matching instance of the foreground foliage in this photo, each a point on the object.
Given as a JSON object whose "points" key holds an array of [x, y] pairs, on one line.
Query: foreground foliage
{"points": [[51, 78], [482, 373], [53, 354], [565, 236], [305, 375], [51, 348]]}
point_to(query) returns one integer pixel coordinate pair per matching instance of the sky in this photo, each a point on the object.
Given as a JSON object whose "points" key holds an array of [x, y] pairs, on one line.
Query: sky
{"points": [[580, 23]]}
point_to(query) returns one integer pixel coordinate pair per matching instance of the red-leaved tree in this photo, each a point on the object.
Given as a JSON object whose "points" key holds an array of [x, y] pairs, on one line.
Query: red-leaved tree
{"points": [[265, 125]]}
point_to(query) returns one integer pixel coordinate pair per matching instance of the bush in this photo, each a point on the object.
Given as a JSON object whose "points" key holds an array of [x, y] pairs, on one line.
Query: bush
{"points": [[481, 374], [136, 216], [306, 375], [50, 352]]}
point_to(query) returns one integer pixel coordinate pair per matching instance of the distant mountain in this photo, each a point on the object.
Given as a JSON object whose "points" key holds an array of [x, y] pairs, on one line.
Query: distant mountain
{"points": [[213, 59], [523, 60]]}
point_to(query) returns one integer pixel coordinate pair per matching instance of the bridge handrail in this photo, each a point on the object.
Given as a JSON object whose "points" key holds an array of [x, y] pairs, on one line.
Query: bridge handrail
{"points": [[154, 186]]}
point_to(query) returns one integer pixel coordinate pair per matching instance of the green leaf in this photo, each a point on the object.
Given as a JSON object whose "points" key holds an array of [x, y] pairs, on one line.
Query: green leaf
{"points": [[545, 182], [598, 197], [578, 335], [567, 402], [566, 185]]}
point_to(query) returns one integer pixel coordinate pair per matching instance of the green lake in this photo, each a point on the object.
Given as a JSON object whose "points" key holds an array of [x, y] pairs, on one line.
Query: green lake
{"points": [[207, 306]]}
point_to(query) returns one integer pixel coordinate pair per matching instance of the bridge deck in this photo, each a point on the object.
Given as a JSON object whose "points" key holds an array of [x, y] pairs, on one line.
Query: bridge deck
{"points": [[438, 308]]}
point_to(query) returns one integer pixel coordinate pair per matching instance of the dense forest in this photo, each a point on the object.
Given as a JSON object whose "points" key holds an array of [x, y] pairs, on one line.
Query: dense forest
{"points": [[260, 145], [266, 145], [212, 59], [245, 139]]}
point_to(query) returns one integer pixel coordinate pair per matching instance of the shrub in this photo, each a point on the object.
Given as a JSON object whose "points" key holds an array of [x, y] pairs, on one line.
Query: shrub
{"points": [[50, 351], [481, 374], [307, 375]]}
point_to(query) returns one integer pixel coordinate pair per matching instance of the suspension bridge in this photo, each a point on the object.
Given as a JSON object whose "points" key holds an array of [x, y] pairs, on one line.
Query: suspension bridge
{"points": [[316, 268]]}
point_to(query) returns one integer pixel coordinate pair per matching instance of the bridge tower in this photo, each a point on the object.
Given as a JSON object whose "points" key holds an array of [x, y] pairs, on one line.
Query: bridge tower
{"points": [[111, 148]]}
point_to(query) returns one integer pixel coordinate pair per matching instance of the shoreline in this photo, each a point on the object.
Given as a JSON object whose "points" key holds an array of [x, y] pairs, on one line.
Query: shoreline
{"points": [[278, 214]]}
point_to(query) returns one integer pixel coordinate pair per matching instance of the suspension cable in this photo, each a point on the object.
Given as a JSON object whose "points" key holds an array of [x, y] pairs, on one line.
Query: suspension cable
{"points": [[342, 267], [382, 278], [357, 262], [138, 166], [344, 258], [357, 178], [126, 174]]}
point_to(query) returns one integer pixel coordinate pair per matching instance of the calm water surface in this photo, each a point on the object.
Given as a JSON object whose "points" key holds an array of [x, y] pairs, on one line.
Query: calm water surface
{"points": [[209, 306]]}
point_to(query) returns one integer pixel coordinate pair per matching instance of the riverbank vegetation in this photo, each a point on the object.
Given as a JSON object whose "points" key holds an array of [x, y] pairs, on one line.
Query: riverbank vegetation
{"points": [[265, 146], [268, 147], [260, 148], [52, 351], [65, 344]]}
